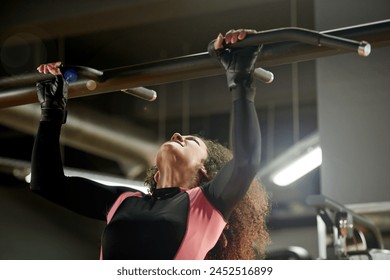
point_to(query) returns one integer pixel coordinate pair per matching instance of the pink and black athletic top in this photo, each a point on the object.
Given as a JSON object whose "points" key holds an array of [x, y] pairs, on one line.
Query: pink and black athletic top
{"points": [[171, 223]]}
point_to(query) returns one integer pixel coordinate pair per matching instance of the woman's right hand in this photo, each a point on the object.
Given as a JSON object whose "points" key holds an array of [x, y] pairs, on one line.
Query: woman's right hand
{"points": [[231, 37]]}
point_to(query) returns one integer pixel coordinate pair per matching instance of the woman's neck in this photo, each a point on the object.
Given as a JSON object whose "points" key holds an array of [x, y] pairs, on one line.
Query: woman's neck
{"points": [[169, 177]]}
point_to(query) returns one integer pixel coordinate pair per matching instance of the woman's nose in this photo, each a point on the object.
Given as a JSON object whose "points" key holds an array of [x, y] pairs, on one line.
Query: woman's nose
{"points": [[177, 137]]}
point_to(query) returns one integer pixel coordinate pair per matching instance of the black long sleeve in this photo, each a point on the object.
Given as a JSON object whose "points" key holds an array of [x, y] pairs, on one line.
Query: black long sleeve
{"points": [[80, 195], [232, 182]]}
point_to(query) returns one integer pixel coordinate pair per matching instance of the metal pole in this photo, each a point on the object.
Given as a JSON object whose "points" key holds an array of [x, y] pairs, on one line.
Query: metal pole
{"points": [[202, 65]]}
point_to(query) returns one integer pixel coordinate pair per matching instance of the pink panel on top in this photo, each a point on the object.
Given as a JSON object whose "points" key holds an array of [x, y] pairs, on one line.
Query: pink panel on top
{"points": [[204, 226]]}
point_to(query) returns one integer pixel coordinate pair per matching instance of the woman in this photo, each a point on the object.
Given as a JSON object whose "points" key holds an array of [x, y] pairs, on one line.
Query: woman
{"points": [[245, 236], [191, 200]]}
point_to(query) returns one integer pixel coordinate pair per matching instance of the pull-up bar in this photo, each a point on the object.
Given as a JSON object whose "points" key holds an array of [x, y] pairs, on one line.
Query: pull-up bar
{"points": [[281, 46]]}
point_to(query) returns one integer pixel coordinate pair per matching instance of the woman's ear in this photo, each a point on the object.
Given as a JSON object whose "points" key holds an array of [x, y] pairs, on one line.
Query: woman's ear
{"points": [[156, 176], [203, 170]]}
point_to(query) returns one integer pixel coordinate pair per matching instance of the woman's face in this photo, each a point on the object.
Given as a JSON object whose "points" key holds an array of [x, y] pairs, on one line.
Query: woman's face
{"points": [[183, 151]]}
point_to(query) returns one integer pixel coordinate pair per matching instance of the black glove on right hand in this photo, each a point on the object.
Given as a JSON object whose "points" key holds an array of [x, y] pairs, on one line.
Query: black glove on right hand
{"points": [[52, 95]]}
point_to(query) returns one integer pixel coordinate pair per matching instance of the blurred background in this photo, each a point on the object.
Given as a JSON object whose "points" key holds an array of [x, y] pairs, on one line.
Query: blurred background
{"points": [[338, 102]]}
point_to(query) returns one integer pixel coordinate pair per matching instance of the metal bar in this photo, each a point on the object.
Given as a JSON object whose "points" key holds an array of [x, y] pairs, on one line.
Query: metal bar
{"points": [[32, 78], [195, 66], [303, 36], [377, 33]]}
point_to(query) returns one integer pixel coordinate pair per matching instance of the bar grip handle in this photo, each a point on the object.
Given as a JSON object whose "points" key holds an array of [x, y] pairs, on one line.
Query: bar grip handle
{"points": [[141, 92], [264, 75]]}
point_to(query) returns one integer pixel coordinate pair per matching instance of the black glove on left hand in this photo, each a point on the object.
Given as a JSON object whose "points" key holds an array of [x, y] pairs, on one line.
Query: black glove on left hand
{"points": [[239, 63]]}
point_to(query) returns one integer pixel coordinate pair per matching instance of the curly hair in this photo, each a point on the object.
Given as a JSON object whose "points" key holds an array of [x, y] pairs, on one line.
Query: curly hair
{"points": [[246, 235]]}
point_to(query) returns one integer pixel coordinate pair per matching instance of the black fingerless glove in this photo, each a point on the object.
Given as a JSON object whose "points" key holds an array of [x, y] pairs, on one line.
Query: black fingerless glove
{"points": [[239, 64], [52, 95]]}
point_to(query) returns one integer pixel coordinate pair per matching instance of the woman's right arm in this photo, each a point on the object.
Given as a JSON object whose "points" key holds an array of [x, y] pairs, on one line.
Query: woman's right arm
{"points": [[80, 195]]}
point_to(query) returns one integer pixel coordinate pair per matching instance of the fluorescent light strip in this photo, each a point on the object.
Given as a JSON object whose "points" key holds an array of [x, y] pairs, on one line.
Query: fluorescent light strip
{"points": [[107, 181], [298, 168]]}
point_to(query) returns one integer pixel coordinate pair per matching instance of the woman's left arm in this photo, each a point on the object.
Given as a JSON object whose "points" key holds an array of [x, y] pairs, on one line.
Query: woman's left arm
{"points": [[233, 180]]}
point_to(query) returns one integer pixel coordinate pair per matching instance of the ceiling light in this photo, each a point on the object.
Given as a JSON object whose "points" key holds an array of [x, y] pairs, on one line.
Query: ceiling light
{"points": [[298, 168]]}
